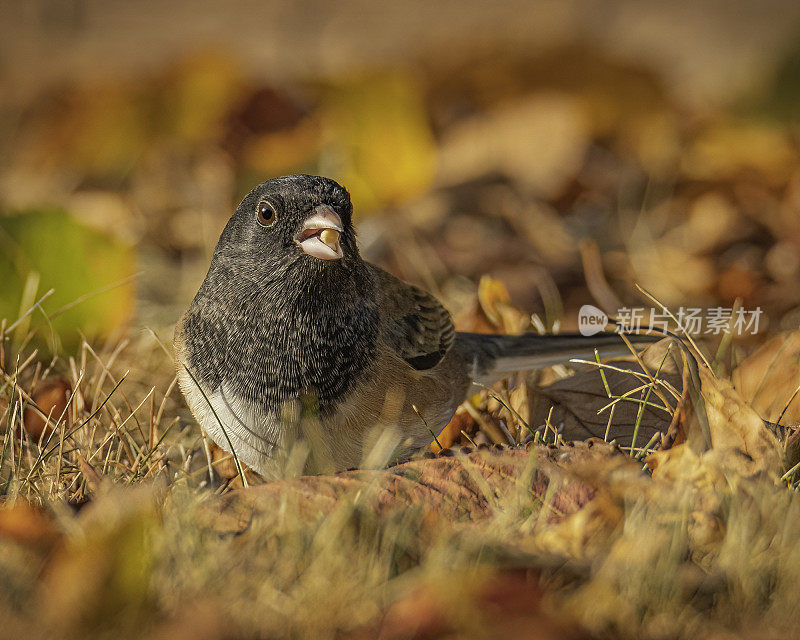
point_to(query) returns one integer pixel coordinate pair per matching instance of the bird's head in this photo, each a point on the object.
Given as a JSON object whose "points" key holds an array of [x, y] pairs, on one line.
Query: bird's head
{"points": [[290, 219]]}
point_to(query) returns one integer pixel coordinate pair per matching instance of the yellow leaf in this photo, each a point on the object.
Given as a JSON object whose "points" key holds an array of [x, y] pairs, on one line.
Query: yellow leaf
{"points": [[379, 143], [197, 96], [723, 150]]}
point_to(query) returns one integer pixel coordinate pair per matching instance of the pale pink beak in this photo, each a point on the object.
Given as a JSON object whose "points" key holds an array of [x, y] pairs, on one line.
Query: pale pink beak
{"points": [[319, 236]]}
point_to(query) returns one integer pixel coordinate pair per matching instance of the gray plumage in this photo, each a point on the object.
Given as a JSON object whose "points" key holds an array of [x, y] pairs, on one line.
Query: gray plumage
{"points": [[282, 345]]}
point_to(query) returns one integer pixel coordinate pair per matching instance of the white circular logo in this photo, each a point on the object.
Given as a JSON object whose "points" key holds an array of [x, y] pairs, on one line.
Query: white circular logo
{"points": [[591, 320]]}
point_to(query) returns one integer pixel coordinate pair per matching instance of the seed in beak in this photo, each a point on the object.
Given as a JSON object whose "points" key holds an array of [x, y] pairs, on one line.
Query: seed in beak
{"points": [[329, 236]]}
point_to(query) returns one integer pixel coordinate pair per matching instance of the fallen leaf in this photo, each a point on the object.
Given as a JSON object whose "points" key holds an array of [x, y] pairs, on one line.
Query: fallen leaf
{"points": [[723, 437], [196, 95], [712, 220], [654, 263], [769, 378], [502, 604], [28, 525], [726, 148], [539, 140], [89, 271], [381, 145], [591, 507], [100, 580], [456, 487], [576, 401], [461, 421], [51, 399], [494, 302], [740, 440]]}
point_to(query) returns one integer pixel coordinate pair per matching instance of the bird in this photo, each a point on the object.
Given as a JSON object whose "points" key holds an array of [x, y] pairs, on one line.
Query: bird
{"points": [[293, 339]]}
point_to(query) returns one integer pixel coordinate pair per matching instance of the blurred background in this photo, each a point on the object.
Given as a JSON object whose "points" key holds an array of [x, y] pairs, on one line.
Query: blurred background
{"points": [[569, 149]]}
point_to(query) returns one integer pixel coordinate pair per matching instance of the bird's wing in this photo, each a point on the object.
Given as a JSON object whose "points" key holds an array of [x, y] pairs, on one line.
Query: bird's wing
{"points": [[414, 323]]}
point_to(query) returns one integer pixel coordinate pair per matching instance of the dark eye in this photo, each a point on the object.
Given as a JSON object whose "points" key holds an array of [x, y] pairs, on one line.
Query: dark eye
{"points": [[266, 213]]}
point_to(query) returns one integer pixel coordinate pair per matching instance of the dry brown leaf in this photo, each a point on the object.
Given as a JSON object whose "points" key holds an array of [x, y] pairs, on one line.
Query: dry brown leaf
{"points": [[718, 448], [703, 468], [505, 140], [493, 311], [453, 487], [739, 438], [783, 262], [596, 281], [542, 227], [791, 450], [609, 479], [737, 443], [447, 485], [676, 434], [575, 402], [461, 421], [769, 378], [28, 525], [199, 620], [518, 413], [712, 220], [654, 263], [51, 399], [505, 604], [225, 466]]}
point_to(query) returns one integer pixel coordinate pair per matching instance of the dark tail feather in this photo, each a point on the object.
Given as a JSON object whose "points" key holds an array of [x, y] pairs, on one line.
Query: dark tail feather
{"points": [[493, 357]]}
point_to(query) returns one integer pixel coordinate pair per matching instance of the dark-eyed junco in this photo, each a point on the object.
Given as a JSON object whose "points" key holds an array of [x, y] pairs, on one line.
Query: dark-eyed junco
{"points": [[293, 335]]}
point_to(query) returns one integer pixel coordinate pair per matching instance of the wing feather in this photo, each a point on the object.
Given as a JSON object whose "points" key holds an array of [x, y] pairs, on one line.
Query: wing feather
{"points": [[414, 322]]}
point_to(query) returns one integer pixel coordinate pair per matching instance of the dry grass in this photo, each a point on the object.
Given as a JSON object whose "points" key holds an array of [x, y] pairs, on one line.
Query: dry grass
{"points": [[106, 419], [129, 539]]}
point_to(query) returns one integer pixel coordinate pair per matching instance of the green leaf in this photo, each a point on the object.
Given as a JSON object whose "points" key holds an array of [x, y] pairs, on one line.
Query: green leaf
{"points": [[89, 271]]}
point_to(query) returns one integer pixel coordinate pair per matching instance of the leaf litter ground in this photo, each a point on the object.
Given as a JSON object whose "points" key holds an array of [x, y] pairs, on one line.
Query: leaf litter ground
{"points": [[118, 520]]}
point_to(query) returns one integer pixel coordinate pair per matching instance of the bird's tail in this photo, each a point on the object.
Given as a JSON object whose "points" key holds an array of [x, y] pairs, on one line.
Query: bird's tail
{"points": [[493, 357]]}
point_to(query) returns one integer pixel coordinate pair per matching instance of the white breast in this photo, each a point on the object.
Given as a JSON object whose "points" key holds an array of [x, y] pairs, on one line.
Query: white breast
{"points": [[231, 421]]}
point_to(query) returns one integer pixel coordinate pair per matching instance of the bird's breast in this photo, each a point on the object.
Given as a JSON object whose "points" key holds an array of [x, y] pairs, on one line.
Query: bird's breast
{"points": [[289, 356]]}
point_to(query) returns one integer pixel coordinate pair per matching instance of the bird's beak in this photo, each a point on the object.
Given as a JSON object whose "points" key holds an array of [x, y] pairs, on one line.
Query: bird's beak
{"points": [[319, 236]]}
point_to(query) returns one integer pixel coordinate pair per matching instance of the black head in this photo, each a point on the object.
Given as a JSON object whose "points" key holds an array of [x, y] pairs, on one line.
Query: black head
{"points": [[298, 219]]}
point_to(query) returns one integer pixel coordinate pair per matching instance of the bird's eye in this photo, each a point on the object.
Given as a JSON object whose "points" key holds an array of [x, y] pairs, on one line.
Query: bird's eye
{"points": [[266, 214]]}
